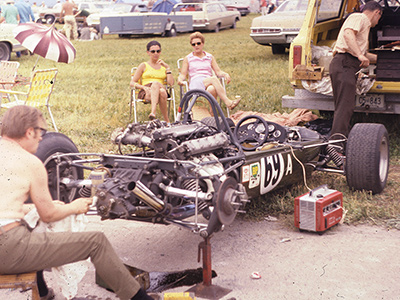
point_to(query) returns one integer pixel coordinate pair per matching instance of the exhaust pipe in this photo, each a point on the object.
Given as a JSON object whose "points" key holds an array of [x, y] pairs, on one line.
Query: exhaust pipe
{"points": [[146, 195], [177, 192]]}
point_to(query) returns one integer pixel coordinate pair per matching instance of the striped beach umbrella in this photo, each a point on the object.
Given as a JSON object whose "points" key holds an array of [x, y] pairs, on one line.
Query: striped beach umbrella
{"points": [[45, 41]]}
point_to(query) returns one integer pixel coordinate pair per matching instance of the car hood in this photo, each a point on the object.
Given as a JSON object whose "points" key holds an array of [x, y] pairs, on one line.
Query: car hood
{"points": [[284, 19]]}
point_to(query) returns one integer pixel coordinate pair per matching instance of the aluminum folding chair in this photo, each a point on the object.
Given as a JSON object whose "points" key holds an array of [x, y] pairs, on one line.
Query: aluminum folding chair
{"points": [[8, 76], [135, 100], [185, 87], [38, 95]]}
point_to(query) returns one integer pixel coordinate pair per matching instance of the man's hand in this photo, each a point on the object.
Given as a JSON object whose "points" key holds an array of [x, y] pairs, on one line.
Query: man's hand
{"points": [[82, 205], [364, 61]]}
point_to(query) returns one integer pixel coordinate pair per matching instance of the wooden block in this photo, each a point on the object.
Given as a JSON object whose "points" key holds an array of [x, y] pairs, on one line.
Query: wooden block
{"points": [[303, 72], [21, 281]]}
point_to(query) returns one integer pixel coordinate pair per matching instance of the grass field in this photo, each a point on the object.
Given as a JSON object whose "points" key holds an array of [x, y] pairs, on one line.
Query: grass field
{"points": [[91, 97]]}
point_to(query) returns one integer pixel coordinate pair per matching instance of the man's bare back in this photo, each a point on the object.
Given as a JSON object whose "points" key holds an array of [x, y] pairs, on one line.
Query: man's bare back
{"points": [[67, 9]]}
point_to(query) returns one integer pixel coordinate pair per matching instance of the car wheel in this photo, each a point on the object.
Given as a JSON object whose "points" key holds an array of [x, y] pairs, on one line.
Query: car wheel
{"points": [[367, 157], [39, 21], [171, 32], [55, 142], [5, 51], [278, 49], [234, 25], [217, 28], [50, 19]]}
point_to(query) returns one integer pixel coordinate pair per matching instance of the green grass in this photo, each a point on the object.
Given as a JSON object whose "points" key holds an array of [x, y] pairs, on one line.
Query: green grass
{"points": [[91, 97]]}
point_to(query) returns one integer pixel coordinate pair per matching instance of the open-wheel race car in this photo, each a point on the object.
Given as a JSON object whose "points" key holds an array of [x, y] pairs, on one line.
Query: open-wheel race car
{"points": [[200, 174]]}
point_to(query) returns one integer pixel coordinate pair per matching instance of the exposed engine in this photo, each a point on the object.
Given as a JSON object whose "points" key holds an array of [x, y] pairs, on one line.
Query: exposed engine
{"points": [[184, 170]]}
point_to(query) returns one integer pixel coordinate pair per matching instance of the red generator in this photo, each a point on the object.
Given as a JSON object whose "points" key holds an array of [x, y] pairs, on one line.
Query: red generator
{"points": [[318, 210]]}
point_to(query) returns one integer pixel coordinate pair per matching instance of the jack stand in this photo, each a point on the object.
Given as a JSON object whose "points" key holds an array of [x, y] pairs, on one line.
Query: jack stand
{"points": [[206, 289]]}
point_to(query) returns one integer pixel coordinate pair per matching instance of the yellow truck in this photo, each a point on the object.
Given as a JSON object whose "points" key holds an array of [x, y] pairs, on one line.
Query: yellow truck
{"points": [[311, 52]]}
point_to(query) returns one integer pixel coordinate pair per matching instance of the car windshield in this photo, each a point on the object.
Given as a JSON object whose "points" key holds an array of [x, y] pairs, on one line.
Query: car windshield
{"points": [[288, 6]]}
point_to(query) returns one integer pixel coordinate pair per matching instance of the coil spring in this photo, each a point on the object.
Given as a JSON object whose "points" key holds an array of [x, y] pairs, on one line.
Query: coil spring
{"points": [[85, 192], [334, 155], [190, 185]]}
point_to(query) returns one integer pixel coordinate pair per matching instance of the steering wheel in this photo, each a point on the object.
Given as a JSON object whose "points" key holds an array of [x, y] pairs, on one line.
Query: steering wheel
{"points": [[251, 132]]}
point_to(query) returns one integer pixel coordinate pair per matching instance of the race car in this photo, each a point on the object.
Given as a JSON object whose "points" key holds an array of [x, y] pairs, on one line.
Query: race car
{"points": [[200, 174]]}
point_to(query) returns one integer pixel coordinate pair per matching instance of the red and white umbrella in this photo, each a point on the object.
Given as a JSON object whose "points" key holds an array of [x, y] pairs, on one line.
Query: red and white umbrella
{"points": [[45, 41]]}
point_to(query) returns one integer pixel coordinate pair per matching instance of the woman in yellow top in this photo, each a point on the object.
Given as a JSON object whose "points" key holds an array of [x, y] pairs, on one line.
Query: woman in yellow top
{"points": [[153, 75]]}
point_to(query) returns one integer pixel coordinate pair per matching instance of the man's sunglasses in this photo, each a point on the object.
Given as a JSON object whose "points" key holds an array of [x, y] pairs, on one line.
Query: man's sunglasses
{"points": [[154, 51], [42, 131], [196, 44]]}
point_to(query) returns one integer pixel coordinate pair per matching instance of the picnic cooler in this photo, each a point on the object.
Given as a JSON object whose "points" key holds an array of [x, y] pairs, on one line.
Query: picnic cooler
{"points": [[318, 210]]}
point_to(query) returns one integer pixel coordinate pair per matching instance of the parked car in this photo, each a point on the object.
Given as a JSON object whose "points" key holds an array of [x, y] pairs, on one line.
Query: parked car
{"points": [[8, 43], [241, 5], [114, 10], [211, 16], [51, 15], [279, 28]]}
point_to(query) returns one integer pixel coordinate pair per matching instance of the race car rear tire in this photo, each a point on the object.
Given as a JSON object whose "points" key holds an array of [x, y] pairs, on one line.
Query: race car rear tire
{"points": [[55, 142], [367, 157]]}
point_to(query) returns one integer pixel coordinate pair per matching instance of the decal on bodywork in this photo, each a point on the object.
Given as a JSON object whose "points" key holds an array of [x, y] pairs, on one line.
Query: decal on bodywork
{"points": [[272, 171], [254, 175]]}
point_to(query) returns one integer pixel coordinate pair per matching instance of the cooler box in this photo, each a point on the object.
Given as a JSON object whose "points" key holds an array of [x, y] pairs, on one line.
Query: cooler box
{"points": [[318, 210]]}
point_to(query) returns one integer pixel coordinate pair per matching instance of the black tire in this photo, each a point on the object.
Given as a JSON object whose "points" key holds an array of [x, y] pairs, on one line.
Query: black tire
{"points": [[367, 157], [217, 28], [55, 142], [278, 49], [50, 19], [5, 51]]}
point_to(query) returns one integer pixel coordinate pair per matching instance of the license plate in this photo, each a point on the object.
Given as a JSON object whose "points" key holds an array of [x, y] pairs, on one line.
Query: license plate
{"points": [[370, 101]]}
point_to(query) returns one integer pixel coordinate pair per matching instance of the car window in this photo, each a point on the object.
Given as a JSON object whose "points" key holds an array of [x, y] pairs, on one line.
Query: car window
{"points": [[222, 8], [189, 7], [329, 9], [213, 8], [298, 5]]}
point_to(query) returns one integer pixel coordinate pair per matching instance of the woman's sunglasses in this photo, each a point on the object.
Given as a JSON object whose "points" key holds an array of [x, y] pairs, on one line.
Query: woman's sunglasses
{"points": [[154, 51], [196, 44]]}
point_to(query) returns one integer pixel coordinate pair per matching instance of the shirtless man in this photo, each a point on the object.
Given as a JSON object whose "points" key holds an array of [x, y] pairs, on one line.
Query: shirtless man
{"points": [[67, 11], [23, 175]]}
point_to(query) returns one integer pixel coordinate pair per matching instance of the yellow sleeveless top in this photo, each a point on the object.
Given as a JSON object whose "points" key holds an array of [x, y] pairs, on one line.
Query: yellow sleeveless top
{"points": [[150, 75]]}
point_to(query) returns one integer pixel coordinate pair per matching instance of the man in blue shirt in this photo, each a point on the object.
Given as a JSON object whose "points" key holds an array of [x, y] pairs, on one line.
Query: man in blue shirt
{"points": [[25, 11]]}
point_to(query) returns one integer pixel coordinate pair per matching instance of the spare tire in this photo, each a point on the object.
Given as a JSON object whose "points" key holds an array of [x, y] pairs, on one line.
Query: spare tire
{"points": [[367, 157]]}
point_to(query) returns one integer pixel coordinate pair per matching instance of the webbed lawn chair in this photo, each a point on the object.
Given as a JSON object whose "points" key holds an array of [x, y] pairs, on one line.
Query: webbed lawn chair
{"points": [[185, 87], [135, 100], [38, 95]]}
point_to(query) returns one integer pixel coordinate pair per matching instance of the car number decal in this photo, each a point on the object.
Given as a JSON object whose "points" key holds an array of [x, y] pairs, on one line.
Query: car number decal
{"points": [[272, 171]]}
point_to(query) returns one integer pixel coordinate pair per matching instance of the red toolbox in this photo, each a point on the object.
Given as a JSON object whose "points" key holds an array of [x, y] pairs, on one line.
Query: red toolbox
{"points": [[318, 210]]}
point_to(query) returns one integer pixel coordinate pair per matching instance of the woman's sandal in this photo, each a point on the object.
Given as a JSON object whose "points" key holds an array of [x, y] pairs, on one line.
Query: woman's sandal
{"points": [[152, 117], [235, 102]]}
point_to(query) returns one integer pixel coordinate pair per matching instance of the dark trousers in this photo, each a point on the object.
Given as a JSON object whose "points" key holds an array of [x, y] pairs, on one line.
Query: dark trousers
{"points": [[23, 251], [343, 69]]}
